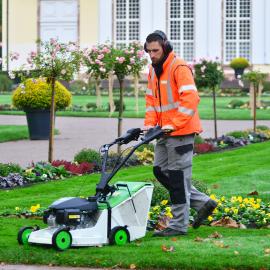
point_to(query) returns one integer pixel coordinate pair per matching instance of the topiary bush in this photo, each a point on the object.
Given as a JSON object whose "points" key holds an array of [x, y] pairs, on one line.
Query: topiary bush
{"points": [[36, 94], [239, 62], [88, 155]]}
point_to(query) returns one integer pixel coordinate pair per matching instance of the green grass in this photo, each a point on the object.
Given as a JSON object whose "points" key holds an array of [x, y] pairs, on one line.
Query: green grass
{"points": [[13, 133], [205, 108], [236, 172]]}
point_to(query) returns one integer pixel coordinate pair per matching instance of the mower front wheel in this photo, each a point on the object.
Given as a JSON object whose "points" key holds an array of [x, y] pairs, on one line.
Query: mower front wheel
{"points": [[61, 239], [24, 234], [119, 236]]}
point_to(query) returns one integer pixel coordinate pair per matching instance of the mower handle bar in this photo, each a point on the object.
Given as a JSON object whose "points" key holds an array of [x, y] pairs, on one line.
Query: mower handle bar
{"points": [[102, 188]]}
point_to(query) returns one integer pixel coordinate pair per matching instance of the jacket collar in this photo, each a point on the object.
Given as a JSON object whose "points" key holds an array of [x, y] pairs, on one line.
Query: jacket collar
{"points": [[168, 60]]}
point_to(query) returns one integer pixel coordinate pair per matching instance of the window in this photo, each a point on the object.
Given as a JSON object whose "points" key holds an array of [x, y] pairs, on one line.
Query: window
{"points": [[237, 29], [181, 27], [127, 15]]}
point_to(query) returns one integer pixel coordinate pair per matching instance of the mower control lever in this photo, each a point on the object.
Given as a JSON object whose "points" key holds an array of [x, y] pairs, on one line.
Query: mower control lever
{"points": [[131, 135]]}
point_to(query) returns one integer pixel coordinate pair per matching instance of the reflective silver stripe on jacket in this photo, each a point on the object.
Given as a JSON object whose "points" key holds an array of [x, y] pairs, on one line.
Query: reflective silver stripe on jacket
{"points": [[186, 110], [187, 87], [163, 108], [149, 92], [169, 88]]}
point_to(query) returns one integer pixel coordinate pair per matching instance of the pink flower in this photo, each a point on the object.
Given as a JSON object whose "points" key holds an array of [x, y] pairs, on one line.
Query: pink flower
{"points": [[97, 61], [106, 50], [132, 60], [120, 59], [53, 41], [140, 53], [100, 56]]}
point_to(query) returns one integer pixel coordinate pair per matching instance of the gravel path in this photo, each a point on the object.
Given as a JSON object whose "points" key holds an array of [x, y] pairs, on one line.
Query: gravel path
{"points": [[78, 133]]}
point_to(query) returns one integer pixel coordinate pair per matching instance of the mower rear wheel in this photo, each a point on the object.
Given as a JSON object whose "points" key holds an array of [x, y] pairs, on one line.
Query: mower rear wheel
{"points": [[119, 236], [61, 239], [24, 234]]}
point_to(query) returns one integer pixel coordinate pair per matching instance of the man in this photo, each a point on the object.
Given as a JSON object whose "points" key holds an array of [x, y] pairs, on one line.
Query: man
{"points": [[171, 102]]}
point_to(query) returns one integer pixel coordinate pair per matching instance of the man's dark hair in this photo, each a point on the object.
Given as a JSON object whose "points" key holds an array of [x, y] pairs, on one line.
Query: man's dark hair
{"points": [[155, 37]]}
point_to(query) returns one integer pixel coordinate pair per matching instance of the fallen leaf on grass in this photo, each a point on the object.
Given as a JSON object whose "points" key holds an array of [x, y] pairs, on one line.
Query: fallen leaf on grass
{"points": [[132, 266], [267, 251], [174, 239], [215, 235], [116, 266], [225, 222], [254, 193], [236, 252], [215, 186], [167, 249], [198, 239], [220, 244]]}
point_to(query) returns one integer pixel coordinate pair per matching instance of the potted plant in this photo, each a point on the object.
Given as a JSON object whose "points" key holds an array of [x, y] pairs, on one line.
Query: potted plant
{"points": [[34, 97], [239, 64]]}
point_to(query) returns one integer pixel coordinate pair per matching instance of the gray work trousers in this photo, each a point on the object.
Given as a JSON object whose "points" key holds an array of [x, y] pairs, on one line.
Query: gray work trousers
{"points": [[173, 168]]}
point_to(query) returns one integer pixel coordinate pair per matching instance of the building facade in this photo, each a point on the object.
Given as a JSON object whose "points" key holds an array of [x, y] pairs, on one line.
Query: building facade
{"points": [[222, 29]]}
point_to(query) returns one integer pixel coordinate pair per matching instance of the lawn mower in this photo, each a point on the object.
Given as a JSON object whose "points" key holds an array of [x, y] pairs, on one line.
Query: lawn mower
{"points": [[116, 214]]}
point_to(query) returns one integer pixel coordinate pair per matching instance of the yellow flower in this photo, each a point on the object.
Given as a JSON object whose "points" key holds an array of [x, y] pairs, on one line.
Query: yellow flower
{"points": [[215, 211], [156, 208], [168, 209], [246, 200], [240, 199], [213, 197], [233, 199], [256, 205], [38, 206], [164, 202], [241, 205], [210, 218], [227, 210], [235, 211], [33, 209], [259, 200], [17, 208], [168, 214], [223, 199]]}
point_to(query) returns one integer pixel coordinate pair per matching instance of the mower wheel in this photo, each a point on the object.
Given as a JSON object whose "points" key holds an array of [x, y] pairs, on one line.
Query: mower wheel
{"points": [[61, 239], [24, 234], [119, 236]]}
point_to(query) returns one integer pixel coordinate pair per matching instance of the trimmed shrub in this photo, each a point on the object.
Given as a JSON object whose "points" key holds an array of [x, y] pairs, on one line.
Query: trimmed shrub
{"points": [[238, 134], [239, 62], [88, 155], [198, 139], [36, 94]]}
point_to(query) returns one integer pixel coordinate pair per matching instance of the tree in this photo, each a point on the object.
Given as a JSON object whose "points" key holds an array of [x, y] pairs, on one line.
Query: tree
{"points": [[54, 61], [208, 74], [99, 66], [256, 78]]}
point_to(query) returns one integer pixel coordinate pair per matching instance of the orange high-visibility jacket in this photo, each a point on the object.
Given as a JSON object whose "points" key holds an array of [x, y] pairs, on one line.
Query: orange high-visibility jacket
{"points": [[172, 100]]}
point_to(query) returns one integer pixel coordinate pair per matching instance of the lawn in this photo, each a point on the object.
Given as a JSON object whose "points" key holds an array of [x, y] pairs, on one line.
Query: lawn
{"points": [[13, 133], [205, 108], [228, 173]]}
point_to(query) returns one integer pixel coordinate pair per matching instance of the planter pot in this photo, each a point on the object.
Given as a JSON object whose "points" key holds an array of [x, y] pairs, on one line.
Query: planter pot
{"points": [[238, 71], [38, 124]]}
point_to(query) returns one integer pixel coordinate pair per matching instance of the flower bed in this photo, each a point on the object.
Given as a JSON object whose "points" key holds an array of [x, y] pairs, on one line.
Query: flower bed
{"points": [[234, 212]]}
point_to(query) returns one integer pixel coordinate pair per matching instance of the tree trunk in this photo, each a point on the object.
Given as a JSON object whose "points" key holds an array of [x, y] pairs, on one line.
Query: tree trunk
{"points": [[110, 86], [260, 89], [120, 119], [251, 98], [215, 111], [136, 93], [52, 117], [255, 87], [98, 94]]}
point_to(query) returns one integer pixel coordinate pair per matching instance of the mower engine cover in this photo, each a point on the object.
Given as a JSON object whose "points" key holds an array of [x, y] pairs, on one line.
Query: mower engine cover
{"points": [[68, 211]]}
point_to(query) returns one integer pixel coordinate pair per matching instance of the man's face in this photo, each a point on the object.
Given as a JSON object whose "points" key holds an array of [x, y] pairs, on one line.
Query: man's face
{"points": [[155, 51]]}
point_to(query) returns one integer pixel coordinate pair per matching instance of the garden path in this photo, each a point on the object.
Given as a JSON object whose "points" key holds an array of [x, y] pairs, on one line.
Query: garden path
{"points": [[77, 133]]}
